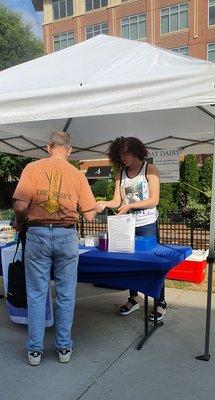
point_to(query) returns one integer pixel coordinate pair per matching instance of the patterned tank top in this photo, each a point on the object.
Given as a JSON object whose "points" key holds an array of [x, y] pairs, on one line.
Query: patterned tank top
{"points": [[137, 189]]}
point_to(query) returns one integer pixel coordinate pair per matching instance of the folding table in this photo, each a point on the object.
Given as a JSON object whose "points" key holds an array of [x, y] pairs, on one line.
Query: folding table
{"points": [[144, 271]]}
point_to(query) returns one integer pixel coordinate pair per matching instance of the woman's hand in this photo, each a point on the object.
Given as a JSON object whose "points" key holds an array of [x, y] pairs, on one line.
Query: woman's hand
{"points": [[100, 206], [124, 209]]}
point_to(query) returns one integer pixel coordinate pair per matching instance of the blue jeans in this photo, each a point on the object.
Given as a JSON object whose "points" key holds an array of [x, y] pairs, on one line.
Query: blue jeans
{"points": [[149, 230], [47, 246]]}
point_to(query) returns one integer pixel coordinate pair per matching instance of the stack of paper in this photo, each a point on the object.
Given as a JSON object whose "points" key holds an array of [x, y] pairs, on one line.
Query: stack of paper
{"points": [[121, 233]]}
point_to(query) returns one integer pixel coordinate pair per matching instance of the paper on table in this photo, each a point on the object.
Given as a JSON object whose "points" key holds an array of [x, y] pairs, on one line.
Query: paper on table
{"points": [[121, 233]]}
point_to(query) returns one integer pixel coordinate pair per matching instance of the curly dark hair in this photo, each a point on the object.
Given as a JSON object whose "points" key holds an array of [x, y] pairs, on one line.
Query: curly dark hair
{"points": [[132, 145]]}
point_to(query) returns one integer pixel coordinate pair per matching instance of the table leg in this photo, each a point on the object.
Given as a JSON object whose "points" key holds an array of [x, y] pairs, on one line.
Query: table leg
{"points": [[149, 329], [146, 314]]}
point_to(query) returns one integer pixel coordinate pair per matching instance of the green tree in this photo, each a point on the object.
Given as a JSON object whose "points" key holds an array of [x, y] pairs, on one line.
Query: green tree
{"points": [[17, 45], [99, 188], [180, 193], [191, 177], [75, 164], [11, 167], [167, 204], [188, 187], [206, 173], [110, 189], [111, 184], [17, 42], [197, 213], [194, 191]]}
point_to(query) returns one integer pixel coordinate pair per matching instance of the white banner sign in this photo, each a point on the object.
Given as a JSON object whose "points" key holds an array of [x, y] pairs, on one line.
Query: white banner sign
{"points": [[167, 163]]}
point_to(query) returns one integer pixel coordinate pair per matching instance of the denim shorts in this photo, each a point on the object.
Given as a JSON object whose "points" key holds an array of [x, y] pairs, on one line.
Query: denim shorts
{"points": [[147, 230]]}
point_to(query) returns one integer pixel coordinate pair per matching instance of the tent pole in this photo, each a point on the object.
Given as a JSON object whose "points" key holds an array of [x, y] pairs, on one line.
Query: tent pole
{"points": [[210, 259]]}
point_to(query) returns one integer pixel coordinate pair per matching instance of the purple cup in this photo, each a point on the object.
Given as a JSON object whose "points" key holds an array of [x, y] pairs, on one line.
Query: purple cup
{"points": [[103, 241]]}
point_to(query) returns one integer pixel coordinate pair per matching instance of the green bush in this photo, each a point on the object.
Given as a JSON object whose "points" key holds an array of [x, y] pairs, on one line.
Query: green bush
{"points": [[206, 173], [167, 204], [197, 214], [99, 188], [6, 214]]}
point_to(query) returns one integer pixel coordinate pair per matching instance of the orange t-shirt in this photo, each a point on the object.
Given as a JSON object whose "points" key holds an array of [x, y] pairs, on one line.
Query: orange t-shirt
{"points": [[54, 189]]}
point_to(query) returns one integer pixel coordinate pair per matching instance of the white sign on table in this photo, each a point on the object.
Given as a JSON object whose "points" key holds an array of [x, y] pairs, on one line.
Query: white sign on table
{"points": [[121, 233]]}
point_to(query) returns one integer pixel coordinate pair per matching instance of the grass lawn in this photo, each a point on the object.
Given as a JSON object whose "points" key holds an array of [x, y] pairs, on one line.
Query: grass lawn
{"points": [[200, 287]]}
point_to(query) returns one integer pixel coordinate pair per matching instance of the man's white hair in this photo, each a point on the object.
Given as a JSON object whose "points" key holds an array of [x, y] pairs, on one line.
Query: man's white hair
{"points": [[60, 138]]}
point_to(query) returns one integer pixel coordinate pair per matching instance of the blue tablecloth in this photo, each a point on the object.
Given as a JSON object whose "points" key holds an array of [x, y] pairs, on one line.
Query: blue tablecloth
{"points": [[143, 270], [3, 245]]}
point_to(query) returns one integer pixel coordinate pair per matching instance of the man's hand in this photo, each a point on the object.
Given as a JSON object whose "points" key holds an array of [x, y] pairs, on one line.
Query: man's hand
{"points": [[20, 210], [124, 209], [18, 226]]}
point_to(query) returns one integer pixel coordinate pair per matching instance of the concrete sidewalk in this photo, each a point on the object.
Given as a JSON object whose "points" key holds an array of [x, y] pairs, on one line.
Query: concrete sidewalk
{"points": [[105, 363]]}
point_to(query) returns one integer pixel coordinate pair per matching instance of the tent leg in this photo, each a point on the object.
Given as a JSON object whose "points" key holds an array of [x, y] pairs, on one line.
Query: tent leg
{"points": [[211, 256], [206, 355]]}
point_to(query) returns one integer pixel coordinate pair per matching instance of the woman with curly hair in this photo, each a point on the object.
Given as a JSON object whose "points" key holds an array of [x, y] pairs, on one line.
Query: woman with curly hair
{"points": [[137, 190]]}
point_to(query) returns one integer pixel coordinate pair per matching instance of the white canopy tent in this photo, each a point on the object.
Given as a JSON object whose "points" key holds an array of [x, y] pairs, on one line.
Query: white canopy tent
{"points": [[109, 81], [106, 87]]}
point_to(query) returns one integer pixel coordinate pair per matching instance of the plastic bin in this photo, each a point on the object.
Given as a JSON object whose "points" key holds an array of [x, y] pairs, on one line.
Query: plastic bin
{"points": [[190, 271], [145, 242]]}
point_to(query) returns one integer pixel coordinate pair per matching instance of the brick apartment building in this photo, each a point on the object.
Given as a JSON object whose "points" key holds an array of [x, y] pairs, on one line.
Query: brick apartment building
{"points": [[187, 27], [184, 26]]}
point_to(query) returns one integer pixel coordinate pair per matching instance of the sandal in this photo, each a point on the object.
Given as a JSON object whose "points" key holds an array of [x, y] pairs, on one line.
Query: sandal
{"points": [[131, 306], [161, 311]]}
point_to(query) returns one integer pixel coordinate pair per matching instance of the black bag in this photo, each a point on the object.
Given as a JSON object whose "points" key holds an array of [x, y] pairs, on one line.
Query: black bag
{"points": [[16, 293]]}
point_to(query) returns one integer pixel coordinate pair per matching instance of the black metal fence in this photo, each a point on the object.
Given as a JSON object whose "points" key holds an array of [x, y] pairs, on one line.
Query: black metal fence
{"points": [[174, 229], [99, 224]]}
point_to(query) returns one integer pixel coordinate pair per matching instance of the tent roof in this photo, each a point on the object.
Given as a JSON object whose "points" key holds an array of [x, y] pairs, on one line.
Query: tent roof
{"points": [[103, 85]]}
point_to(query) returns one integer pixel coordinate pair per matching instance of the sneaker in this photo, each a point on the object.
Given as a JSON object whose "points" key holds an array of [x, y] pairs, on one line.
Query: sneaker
{"points": [[64, 355], [131, 306], [161, 311], [34, 357]]}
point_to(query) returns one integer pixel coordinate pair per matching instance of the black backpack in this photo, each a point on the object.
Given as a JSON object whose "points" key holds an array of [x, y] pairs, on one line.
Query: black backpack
{"points": [[16, 293]]}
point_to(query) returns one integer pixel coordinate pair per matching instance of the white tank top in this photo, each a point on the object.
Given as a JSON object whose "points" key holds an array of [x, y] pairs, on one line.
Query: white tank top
{"points": [[137, 189]]}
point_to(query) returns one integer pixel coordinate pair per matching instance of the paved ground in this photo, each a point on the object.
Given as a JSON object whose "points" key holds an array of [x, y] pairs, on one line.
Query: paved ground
{"points": [[105, 363]]}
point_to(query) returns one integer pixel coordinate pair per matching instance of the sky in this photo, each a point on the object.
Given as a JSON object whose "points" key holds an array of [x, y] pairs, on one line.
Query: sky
{"points": [[26, 9]]}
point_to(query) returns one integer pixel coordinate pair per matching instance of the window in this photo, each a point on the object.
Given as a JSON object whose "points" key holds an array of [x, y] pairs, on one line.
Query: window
{"points": [[174, 18], [63, 40], [211, 12], [94, 30], [93, 4], [211, 52], [62, 8], [181, 50], [134, 27]]}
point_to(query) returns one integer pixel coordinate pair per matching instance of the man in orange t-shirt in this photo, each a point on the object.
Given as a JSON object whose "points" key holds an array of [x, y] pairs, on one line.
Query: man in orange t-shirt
{"points": [[47, 197]]}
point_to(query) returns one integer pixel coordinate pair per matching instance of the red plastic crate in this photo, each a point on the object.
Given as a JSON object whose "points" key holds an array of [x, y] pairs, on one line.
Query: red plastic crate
{"points": [[190, 271]]}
